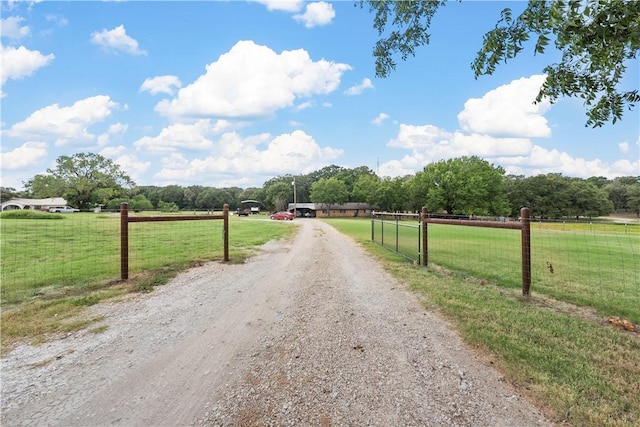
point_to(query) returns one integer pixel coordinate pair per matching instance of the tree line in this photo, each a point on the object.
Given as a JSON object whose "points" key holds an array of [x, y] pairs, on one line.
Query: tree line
{"points": [[459, 186]]}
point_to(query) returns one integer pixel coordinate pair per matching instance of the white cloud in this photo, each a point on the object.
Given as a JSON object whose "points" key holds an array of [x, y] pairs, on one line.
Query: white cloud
{"points": [[118, 128], [28, 154], [430, 143], [65, 123], [395, 168], [486, 134], [116, 40], [256, 155], [358, 89], [11, 28], [179, 136], [415, 137], [518, 156], [624, 147], [114, 129], [253, 81], [316, 13], [112, 152], [129, 163], [161, 84], [132, 166], [60, 21], [303, 106], [282, 5], [380, 119], [21, 62], [508, 111], [542, 161]]}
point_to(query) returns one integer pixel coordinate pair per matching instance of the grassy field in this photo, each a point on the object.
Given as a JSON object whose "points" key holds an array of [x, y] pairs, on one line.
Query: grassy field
{"points": [[596, 266], [570, 361], [556, 347], [51, 252], [53, 265]]}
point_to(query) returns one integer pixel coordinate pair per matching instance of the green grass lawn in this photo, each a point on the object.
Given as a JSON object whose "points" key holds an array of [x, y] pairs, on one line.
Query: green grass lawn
{"points": [[42, 255], [595, 266], [582, 370], [555, 346], [53, 266]]}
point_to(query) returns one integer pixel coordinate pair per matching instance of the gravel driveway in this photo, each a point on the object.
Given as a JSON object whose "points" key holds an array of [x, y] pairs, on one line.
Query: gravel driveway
{"points": [[310, 332]]}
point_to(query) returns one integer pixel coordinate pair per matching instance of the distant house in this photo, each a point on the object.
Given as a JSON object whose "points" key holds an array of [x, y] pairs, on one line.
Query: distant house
{"points": [[33, 204], [318, 210]]}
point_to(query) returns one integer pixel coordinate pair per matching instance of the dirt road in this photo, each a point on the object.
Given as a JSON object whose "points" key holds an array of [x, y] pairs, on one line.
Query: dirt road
{"points": [[310, 332]]}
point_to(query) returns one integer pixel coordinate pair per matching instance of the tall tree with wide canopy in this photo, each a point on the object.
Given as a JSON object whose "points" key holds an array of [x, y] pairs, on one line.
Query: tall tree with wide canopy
{"points": [[364, 189], [279, 195], [464, 186], [391, 194], [329, 191], [596, 39], [84, 179]]}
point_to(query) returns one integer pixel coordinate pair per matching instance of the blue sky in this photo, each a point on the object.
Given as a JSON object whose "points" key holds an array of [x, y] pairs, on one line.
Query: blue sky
{"points": [[234, 93]]}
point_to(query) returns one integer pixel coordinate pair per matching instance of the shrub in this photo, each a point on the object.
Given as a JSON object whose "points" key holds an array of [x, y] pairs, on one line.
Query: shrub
{"points": [[28, 214]]}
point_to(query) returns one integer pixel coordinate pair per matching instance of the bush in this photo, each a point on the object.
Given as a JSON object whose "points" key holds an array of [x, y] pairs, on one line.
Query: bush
{"points": [[28, 214]]}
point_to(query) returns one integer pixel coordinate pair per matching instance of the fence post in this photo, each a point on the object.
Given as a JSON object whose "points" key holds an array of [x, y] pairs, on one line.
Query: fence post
{"points": [[373, 239], [225, 231], [124, 241], [425, 240], [525, 223], [397, 232]]}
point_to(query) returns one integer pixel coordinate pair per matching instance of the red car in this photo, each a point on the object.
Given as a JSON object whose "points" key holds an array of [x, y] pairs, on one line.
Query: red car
{"points": [[287, 216]]}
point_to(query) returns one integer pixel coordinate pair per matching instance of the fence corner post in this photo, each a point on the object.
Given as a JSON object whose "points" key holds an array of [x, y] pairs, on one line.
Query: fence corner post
{"points": [[124, 241], [225, 231], [372, 215], [525, 223], [425, 240]]}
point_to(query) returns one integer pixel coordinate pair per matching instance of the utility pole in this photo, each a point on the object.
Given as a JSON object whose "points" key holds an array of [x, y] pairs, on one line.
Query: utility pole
{"points": [[295, 202]]}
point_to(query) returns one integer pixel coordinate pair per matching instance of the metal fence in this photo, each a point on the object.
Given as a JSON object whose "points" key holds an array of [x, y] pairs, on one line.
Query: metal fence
{"points": [[423, 235], [585, 263], [125, 220], [41, 257]]}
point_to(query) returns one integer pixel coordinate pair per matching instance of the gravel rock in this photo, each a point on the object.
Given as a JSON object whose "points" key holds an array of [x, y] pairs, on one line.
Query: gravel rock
{"points": [[308, 332]]}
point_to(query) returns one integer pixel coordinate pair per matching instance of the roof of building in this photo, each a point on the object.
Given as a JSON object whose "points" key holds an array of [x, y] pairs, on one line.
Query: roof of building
{"points": [[51, 201], [320, 206]]}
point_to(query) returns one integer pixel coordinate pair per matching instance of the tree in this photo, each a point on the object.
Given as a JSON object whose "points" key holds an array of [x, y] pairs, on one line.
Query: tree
{"points": [[45, 186], [364, 190], [619, 190], [191, 194], [633, 199], [464, 186], [84, 179], [8, 193], [587, 199], [172, 194], [212, 198], [329, 191], [351, 176], [390, 195], [547, 196], [596, 39], [280, 194], [556, 196]]}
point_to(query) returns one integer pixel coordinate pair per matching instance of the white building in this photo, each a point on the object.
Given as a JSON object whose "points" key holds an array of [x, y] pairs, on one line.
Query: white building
{"points": [[34, 204]]}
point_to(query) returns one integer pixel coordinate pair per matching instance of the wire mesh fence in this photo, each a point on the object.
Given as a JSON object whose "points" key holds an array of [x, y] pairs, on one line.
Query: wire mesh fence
{"points": [[399, 233], [45, 256], [594, 265]]}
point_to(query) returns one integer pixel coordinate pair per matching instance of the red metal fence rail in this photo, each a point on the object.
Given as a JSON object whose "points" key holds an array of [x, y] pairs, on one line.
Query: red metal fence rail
{"points": [[125, 219], [524, 225]]}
